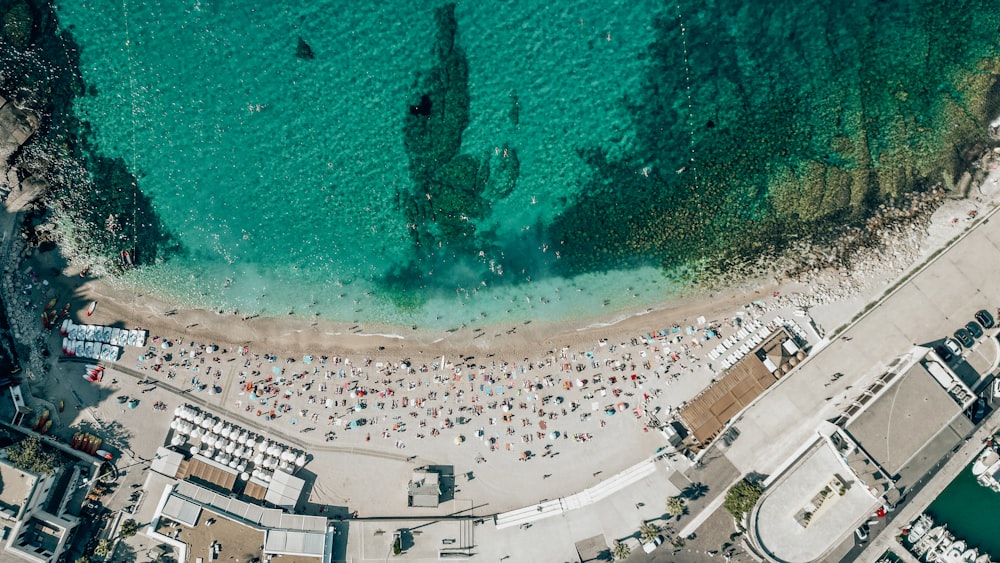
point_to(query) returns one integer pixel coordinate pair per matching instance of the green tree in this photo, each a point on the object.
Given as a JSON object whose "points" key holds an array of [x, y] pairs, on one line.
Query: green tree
{"points": [[742, 497], [103, 548], [621, 550], [676, 506], [129, 528], [648, 531], [31, 455]]}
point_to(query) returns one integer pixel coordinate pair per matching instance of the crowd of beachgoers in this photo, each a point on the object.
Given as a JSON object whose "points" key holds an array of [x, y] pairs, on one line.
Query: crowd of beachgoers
{"points": [[566, 395]]}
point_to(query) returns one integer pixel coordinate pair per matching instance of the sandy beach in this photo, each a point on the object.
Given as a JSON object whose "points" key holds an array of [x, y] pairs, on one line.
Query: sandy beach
{"points": [[517, 413]]}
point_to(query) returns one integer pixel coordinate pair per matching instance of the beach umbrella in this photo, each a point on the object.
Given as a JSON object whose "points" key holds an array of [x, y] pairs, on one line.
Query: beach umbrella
{"points": [[205, 423], [241, 467], [196, 433], [165, 345], [301, 460], [243, 476], [242, 438], [218, 426], [262, 445], [266, 477], [553, 435], [226, 431], [283, 466], [287, 456], [221, 457], [307, 359], [178, 410], [459, 439], [273, 450], [177, 440], [257, 459], [230, 448], [233, 463], [209, 452], [195, 450], [173, 424]]}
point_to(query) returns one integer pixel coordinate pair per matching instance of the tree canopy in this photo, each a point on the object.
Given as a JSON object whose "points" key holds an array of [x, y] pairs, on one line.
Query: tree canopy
{"points": [[621, 550], [676, 506], [31, 455], [742, 497]]}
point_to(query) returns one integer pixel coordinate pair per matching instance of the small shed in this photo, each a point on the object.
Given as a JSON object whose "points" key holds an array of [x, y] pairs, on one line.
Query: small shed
{"points": [[424, 489]]}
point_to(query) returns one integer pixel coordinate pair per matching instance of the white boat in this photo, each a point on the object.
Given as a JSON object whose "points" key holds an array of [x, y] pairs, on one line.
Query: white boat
{"points": [[936, 552], [984, 558], [930, 539], [919, 528], [987, 458], [953, 553]]}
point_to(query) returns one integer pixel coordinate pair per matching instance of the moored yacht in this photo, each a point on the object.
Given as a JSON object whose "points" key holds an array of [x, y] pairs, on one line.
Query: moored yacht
{"points": [[938, 552], [929, 541], [919, 528], [987, 458]]}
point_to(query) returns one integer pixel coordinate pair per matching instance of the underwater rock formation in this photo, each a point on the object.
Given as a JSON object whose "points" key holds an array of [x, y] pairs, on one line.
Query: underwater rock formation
{"points": [[814, 122], [450, 192], [304, 51]]}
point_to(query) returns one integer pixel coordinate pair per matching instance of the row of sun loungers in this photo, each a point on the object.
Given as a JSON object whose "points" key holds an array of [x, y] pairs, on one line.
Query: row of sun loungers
{"points": [[745, 340], [745, 337], [104, 334]]}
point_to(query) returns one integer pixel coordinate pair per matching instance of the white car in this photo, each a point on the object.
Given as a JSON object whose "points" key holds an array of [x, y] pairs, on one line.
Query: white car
{"points": [[953, 347], [649, 546]]}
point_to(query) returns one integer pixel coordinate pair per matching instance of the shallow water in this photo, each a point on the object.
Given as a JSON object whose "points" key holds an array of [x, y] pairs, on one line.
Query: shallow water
{"points": [[284, 179]]}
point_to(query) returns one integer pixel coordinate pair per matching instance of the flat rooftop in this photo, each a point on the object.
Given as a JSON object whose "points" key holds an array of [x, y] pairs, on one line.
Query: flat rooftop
{"points": [[16, 486], [708, 413], [899, 422], [238, 541], [774, 520]]}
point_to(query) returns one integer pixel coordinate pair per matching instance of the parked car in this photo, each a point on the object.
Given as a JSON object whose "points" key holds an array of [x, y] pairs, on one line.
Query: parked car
{"points": [[651, 545], [953, 346], [985, 318], [965, 337], [862, 532], [974, 328]]}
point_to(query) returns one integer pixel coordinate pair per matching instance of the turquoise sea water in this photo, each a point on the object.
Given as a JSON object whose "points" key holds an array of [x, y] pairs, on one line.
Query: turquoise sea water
{"points": [[645, 135], [970, 511]]}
